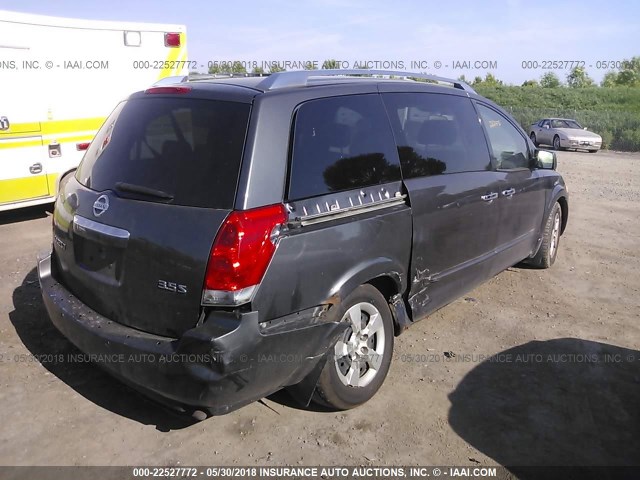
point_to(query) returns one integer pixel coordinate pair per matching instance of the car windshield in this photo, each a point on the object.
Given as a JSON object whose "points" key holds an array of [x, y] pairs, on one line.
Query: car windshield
{"points": [[565, 124]]}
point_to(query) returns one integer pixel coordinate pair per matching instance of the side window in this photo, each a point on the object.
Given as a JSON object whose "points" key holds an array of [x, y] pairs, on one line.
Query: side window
{"points": [[436, 134], [508, 146], [341, 143]]}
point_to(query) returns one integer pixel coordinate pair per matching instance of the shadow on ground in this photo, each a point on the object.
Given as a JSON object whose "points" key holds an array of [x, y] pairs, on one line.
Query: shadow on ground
{"points": [[557, 402], [43, 340], [24, 214]]}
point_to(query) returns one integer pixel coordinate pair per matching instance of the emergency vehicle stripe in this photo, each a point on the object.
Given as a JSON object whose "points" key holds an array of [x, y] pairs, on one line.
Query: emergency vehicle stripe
{"points": [[172, 56]]}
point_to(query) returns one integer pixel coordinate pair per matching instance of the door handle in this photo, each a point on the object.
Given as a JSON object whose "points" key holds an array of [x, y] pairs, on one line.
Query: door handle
{"points": [[509, 192], [35, 168], [489, 196]]}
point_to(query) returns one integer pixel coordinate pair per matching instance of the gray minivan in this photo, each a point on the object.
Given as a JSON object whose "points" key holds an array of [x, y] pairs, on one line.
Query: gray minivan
{"points": [[226, 238]]}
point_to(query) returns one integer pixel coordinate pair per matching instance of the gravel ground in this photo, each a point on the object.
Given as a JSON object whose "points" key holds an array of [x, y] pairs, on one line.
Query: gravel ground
{"points": [[562, 387]]}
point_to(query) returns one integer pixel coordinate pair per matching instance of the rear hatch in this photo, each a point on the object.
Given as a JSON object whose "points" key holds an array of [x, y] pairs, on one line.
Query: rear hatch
{"points": [[134, 229]]}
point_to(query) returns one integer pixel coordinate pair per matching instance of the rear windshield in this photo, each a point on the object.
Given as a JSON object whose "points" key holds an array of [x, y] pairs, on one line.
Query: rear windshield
{"points": [[174, 150]]}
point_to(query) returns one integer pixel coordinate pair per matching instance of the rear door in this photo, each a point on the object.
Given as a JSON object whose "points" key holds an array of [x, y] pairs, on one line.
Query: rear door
{"points": [[134, 229], [453, 191]]}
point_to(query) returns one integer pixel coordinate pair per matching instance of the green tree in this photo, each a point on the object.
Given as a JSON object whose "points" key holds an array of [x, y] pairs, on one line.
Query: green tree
{"points": [[610, 79], [330, 64], [629, 75], [550, 80], [275, 67], [579, 78], [489, 81], [215, 69], [221, 68]]}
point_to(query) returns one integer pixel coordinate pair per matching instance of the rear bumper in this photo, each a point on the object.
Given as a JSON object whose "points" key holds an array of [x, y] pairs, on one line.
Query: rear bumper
{"points": [[230, 360]]}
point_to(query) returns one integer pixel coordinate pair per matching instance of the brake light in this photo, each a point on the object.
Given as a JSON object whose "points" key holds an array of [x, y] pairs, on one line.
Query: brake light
{"points": [[172, 39], [82, 146], [241, 254], [168, 90]]}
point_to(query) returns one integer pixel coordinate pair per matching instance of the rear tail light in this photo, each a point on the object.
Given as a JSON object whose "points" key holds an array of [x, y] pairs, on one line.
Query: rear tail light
{"points": [[240, 255], [172, 39], [168, 90]]}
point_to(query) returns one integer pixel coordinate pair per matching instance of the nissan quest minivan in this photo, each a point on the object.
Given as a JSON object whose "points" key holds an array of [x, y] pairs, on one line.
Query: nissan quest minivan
{"points": [[232, 237]]}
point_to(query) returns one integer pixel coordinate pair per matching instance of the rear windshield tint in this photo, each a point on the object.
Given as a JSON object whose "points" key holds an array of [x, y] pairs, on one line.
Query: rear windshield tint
{"points": [[189, 150]]}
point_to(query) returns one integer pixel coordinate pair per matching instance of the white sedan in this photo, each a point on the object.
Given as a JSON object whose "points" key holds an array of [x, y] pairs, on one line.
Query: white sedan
{"points": [[564, 133]]}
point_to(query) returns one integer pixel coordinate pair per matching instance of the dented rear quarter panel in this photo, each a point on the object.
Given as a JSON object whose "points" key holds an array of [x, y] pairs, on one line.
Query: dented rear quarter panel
{"points": [[321, 264]]}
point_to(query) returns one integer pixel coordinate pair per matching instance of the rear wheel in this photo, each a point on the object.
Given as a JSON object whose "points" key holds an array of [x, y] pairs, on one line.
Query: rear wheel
{"points": [[361, 358], [533, 139], [546, 256]]}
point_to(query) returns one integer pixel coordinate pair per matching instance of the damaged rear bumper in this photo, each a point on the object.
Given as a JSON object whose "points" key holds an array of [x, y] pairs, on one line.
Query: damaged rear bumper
{"points": [[230, 360]]}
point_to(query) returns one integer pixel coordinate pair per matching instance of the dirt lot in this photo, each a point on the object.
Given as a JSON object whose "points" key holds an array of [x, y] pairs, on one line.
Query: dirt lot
{"points": [[563, 386]]}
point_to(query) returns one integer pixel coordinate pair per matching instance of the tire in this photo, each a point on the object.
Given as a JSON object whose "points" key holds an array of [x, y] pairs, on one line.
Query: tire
{"points": [[341, 384], [548, 251], [556, 143], [533, 139]]}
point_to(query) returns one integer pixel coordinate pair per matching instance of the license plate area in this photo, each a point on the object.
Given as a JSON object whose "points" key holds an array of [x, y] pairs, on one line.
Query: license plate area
{"points": [[99, 258], [99, 248]]}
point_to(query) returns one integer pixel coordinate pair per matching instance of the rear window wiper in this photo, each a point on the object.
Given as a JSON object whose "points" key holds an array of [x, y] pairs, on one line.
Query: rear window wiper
{"points": [[150, 192]]}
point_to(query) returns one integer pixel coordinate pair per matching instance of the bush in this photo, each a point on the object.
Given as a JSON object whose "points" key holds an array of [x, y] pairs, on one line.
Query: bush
{"points": [[607, 138], [614, 113]]}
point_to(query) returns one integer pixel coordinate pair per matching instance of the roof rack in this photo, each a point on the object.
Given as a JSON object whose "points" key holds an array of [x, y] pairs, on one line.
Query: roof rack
{"points": [[300, 78], [194, 77]]}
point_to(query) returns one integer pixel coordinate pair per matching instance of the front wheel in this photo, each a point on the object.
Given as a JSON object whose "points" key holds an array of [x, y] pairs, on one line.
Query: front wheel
{"points": [[361, 358], [546, 256]]}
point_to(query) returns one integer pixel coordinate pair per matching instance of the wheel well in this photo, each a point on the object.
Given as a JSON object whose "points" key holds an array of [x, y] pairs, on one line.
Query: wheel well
{"points": [[385, 285], [389, 289], [61, 177], [565, 213]]}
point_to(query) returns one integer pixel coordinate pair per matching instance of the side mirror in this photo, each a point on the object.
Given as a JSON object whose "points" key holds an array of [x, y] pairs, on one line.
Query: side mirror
{"points": [[546, 160]]}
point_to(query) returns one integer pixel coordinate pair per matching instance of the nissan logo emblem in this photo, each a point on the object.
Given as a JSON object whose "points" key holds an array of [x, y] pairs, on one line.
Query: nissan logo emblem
{"points": [[101, 205]]}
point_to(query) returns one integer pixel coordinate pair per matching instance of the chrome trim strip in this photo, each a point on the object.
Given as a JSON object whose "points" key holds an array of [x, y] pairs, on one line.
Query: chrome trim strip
{"points": [[81, 224], [350, 211]]}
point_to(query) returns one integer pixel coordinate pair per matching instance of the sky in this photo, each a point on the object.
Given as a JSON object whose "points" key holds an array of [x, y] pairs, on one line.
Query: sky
{"points": [[515, 39]]}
